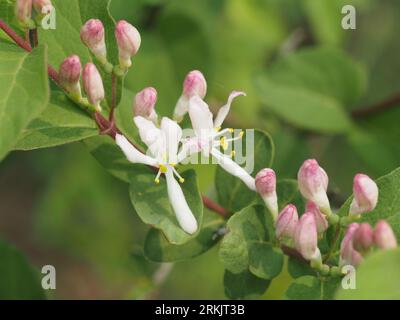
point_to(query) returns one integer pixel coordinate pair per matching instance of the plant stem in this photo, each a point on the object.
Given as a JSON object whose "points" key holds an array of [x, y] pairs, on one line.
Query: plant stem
{"points": [[14, 36], [114, 84], [387, 104], [332, 245], [35, 37]]}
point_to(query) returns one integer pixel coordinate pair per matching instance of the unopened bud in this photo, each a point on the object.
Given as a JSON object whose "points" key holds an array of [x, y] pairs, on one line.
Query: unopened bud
{"points": [[92, 35], [363, 237], [320, 220], [128, 39], [313, 184], [93, 85], [194, 85], [43, 7], [384, 236], [23, 12], [144, 104], [70, 73], [348, 255], [286, 223], [306, 238], [266, 187], [365, 195]]}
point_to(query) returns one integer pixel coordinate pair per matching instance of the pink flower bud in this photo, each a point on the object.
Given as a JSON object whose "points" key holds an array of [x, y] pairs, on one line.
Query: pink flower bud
{"points": [[128, 39], [363, 237], [306, 237], [144, 104], [266, 186], [384, 236], [70, 73], [365, 195], [42, 6], [313, 184], [23, 11], [348, 255], [287, 222], [93, 85], [320, 220], [195, 85], [92, 35]]}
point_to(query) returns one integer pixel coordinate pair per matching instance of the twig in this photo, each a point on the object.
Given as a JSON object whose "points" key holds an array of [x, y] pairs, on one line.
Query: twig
{"points": [[114, 83], [14, 36], [387, 104], [35, 37], [213, 206], [332, 245]]}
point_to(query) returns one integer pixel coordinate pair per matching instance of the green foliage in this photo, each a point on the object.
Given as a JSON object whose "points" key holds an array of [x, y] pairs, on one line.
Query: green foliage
{"points": [[24, 91], [298, 268], [19, 280], [233, 194], [313, 88], [153, 207], [244, 285], [265, 261], [157, 248], [377, 278], [312, 288]]}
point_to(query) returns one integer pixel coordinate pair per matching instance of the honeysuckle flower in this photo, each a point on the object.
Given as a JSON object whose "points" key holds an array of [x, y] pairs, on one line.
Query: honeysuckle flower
{"points": [[163, 144], [306, 238], [286, 223], [209, 138], [93, 85], [70, 73], [384, 236], [320, 220], [128, 39], [23, 11], [348, 254], [194, 85], [363, 237], [313, 184], [144, 104], [266, 187], [365, 193], [92, 35]]}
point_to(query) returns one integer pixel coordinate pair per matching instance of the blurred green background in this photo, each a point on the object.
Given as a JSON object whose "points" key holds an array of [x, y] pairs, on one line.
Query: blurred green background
{"points": [[60, 207]]}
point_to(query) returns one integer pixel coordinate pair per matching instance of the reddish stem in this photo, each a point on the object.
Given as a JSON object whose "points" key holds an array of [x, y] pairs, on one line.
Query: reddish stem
{"points": [[35, 37], [379, 107], [14, 36], [213, 206]]}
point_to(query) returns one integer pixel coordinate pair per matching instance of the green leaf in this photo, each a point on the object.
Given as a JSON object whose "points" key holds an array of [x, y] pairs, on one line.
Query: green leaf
{"points": [[153, 207], [233, 194], [157, 248], [377, 278], [312, 88], [298, 269], [61, 122], [312, 288], [19, 280], [265, 261], [244, 285], [246, 227], [24, 91], [388, 206]]}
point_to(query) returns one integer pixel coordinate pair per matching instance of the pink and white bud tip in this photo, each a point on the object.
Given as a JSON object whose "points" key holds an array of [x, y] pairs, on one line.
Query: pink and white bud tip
{"points": [[365, 193], [266, 186], [92, 35], [23, 13], [70, 73], [93, 85], [285, 226], [306, 238], [129, 40], [320, 220], [144, 104], [384, 236]]}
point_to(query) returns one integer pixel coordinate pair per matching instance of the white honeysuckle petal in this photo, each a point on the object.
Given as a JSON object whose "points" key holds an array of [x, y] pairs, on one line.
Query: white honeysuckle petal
{"points": [[223, 111], [148, 131], [234, 169], [189, 147], [320, 198], [201, 116], [181, 108], [184, 215], [173, 135], [133, 154]]}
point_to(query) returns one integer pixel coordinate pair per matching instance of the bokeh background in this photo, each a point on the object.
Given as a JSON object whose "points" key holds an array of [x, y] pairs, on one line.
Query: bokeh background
{"points": [[60, 207]]}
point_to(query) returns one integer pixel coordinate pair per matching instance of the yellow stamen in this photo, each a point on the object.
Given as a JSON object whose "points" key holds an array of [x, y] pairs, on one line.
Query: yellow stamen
{"points": [[181, 180], [163, 168], [224, 143], [157, 181], [241, 134], [218, 129], [231, 130], [233, 153]]}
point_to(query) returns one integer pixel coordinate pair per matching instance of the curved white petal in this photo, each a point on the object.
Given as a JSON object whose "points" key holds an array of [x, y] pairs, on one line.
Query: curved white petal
{"points": [[201, 116], [234, 169], [173, 135], [190, 147], [181, 108], [151, 136], [223, 111], [184, 215], [133, 154]]}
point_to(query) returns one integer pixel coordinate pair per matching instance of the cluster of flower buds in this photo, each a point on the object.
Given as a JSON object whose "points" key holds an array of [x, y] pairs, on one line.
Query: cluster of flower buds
{"points": [[128, 40], [23, 11], [70, 74], [360, 239]]}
